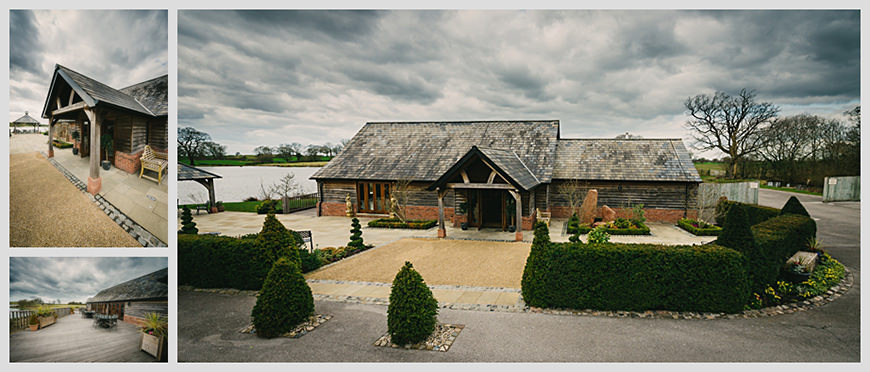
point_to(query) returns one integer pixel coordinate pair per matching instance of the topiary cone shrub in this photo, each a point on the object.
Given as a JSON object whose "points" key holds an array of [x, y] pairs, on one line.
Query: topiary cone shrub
{"points": [[187, 224], [411, 315], [533, 272], [284, 302], [356, 240], [794, 206], [737, 233], [277, 240]]}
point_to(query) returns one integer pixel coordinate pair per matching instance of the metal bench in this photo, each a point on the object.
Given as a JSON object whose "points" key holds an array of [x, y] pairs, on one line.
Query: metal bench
{"points": [[307, 239], [154, 161]]}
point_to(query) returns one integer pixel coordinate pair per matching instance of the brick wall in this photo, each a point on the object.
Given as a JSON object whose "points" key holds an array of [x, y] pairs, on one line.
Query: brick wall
{"points": [[128, 162]]}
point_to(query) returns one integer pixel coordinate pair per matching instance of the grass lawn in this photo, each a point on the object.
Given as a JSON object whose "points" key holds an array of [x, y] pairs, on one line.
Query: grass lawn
{"points": [[252, 160], [808, 192], [251, 206]]}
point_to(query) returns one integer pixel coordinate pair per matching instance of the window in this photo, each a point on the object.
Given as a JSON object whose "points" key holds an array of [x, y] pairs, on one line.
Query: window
{"points": [[373, 197]]}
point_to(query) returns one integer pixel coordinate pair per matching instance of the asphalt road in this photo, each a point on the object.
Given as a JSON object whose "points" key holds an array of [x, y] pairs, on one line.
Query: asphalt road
{"points": [[208, 326]]}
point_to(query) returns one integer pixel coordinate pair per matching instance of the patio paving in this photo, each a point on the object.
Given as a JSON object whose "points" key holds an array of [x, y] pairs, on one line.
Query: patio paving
{"points": [[142, 200], [46, 210], [331, 231], [74, 339]]}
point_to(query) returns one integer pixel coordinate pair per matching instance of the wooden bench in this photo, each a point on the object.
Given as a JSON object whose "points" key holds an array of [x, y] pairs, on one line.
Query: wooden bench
{"points": [[153, 161], [544, 216]]}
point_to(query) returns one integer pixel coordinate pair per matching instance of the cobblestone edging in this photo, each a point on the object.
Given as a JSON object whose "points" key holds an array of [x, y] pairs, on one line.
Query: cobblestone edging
{"points": [[831, 295], [142, 236]]}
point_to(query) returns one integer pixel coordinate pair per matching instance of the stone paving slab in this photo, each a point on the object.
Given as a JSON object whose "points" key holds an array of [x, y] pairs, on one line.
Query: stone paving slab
{"points": [[372, 292]]}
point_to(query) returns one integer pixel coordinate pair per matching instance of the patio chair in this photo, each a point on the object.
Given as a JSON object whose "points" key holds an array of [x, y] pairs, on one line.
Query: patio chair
{"points": [[153, 161], [544, 216]]}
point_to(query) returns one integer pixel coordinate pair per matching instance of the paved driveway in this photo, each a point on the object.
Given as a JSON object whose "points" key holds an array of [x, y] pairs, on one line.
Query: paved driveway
{"points": [[209, 323], [440, 262]]}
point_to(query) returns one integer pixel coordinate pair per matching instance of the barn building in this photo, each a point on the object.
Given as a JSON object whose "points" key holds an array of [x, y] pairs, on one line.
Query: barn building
{"points": [[132, 299], [500, 173]]}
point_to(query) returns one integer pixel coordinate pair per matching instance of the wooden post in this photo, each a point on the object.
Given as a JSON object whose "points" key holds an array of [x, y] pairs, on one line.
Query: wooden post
{"points": [[442, 232], [519, 207], [50, 135], [94, 180]]}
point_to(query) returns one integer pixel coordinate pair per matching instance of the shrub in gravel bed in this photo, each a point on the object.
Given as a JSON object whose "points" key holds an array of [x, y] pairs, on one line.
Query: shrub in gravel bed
{"points": [[284, 302], [356, 239], [411, 315], [187, 224]]}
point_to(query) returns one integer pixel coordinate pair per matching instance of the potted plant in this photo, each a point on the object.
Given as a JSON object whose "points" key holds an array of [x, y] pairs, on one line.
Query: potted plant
{"points": [[797, 270], [463, 207], [75, 136], [815, 245], [46, 317], [34, 322], [107, 143], [153, 340], [512, 228], [220, 206]]}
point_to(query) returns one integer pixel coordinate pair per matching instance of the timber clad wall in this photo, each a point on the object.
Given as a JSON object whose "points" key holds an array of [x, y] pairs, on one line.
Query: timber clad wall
{"points": [[158, 135], [140, 308], [653, 195]]}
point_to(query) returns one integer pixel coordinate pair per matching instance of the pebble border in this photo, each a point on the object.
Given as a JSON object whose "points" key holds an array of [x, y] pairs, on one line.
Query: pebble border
{"points": [[142, 236], [303, 329], [831, 295], [440, 340]]}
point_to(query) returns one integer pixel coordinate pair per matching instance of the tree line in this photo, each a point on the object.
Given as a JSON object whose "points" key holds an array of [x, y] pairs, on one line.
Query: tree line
{"points": [[194, 144], [758, 143]]}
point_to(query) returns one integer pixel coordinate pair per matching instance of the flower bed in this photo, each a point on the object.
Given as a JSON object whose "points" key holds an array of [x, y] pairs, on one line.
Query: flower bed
{"points": [[618, 227], [699, 228], [827, 274], [396, 223], [61, 144]]}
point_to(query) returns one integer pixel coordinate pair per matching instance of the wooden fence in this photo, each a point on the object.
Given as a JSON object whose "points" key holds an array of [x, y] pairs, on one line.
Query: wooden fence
{"points": [[292, 204], [19, 319], [842, 189]]}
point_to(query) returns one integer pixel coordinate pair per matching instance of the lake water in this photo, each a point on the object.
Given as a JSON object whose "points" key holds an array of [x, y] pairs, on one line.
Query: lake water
{"points": [[239, 183]]}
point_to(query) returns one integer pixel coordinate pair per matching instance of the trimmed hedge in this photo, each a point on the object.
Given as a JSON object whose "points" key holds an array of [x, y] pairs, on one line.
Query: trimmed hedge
{"points": [[284, 302], [636, 277], [584, 228], [396, 223], [207, 261], [755, 213], [534, 271], [794, 206], [703, 229], [776, 240]]}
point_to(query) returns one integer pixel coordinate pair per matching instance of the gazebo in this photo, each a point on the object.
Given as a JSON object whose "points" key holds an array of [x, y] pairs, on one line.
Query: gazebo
{"points": [[26, 121], [205, 178]]}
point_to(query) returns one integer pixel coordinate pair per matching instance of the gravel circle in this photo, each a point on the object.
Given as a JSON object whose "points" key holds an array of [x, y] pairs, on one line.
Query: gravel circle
{"points": [[440, 340], [302, 329]]}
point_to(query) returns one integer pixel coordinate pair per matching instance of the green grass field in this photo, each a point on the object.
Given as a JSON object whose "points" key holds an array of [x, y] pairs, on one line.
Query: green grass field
{"points": [[252, 160], [251, 206]]}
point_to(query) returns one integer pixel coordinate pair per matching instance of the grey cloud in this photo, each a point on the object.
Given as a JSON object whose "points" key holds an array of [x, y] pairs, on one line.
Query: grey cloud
{"points": [[24, 46]]}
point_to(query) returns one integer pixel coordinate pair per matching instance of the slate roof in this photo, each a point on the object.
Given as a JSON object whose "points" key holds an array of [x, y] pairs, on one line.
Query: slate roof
{"points": [[531, 152], [509, 162], [188, 173], [423, 151], [152, 94], [26, 119], [624, 160], [94, 92], [149, 286]]}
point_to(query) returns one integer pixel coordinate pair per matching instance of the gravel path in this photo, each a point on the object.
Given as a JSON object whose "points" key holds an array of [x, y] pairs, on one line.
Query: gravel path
{"points": [[441, 262], [46, 210]]}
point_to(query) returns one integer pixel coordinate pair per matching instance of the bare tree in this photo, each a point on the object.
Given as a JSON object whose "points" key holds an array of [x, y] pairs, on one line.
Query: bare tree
{"points": [[286, 151], [402, 193], [190, 143], [789, 141], [264, 153], [573, 191], [730, 124], [285, 187]]}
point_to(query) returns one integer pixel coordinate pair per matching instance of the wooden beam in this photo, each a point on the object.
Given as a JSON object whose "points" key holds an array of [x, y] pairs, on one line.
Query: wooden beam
{"points": [[441, 230], [59, 105], [490, 186], [464, 176], [94, 137], [519, 213], [491, 176], [70, 108], [72, 94]]}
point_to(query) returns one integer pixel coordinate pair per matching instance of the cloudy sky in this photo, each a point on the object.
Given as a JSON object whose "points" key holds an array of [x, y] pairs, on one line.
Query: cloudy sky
{"points": [[255, 78], [74, 278], [117, 48]]}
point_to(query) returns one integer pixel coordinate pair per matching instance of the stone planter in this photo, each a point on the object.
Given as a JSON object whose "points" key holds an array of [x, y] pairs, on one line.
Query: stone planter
{"points": [[154, 345], [34, 327], [45, 321], [796, 277]]}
